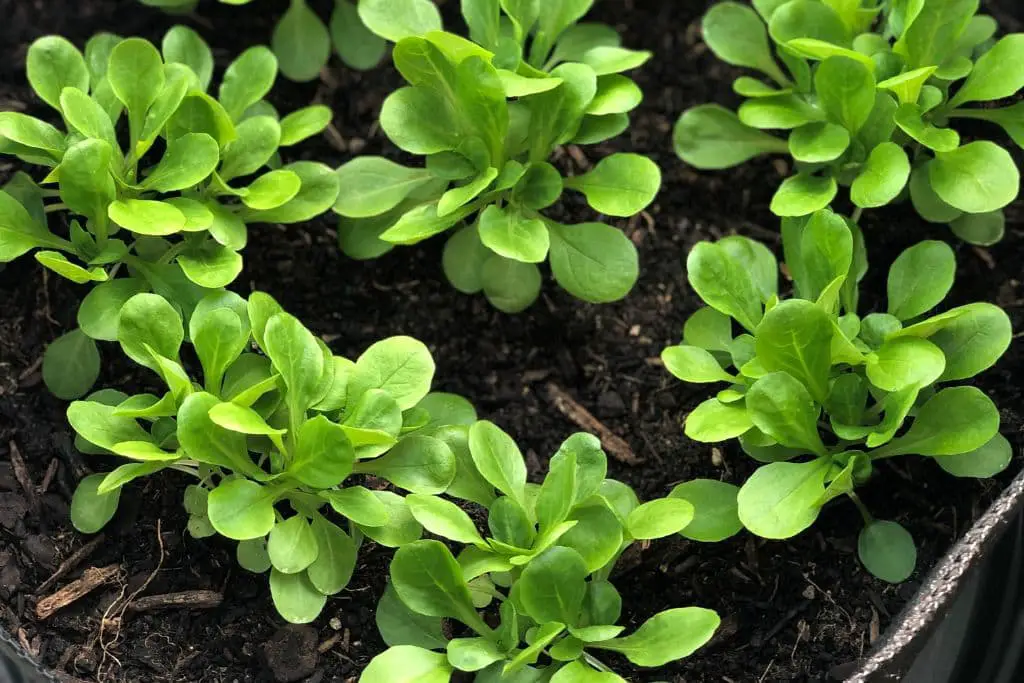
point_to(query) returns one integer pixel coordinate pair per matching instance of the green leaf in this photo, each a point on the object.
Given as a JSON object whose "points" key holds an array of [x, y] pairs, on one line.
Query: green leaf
{"points": [[52, 64], [777, 112], [189, 160], [420, 464], [210, 265], [90, 509], [358, 504], [620, 185], [304, 123], [932, 30], [973, 338], [318, 192], [711, 137], [660, 518], [796, 337], [738, 36], [540, 186], [976, 178], [59, 263], [252, 555], [818, 142], [984, 229], [826, 248], [981, 463], [920, 278], [615, 95], [430, 582], [723, 283], [71, 365], [715, 516], [510, 286], [125, 474], [513, 235], [100, 311], [694, 364], [593, 261], [552, 586], [846, 91], [241, 509], [910, 118], [407, 664], [667, 636], [457, 197], [463, 259], [298, 357], [713, 421], [606, 60], [883, 177], [708, 329], [498, 459], [324, 455], [399, 625], [415, 120], [182, 45], [357, 46], [149, 320], [256, 142], [295, 598], [473, 654], [781, 407], [136, 75], [86, 116], [955, 420], [100, 425], [803, 194], [301, 42], [397, 19], [887, 551], [203, 440], [597, 535], [904, 362], [146, 216], [248, 79], [782, 499], [444, 519], [86, 185], [929, 205], [291, 545], [400, 366]]}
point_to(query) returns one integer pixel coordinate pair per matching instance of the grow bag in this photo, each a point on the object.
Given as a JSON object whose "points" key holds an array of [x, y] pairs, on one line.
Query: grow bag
{"points": [[964, 625], [966, 622]]}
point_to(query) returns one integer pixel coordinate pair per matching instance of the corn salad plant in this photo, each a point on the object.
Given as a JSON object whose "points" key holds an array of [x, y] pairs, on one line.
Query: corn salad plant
{"points": [[273, 438], [158, 179], [487, 115], [543, 571], [820, 394], [356, 31], [867, 92]]}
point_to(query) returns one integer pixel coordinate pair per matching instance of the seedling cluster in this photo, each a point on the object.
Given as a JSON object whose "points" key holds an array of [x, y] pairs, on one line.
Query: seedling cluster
{"points": [[150, 179]]}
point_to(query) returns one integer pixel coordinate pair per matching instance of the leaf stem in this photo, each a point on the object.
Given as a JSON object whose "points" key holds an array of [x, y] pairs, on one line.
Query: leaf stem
{"points": [[868, 518], [597, 663], [857, 213], [55, 207]]}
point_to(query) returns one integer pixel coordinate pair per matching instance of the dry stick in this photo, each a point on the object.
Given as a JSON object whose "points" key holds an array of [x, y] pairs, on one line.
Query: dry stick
{"points": [[22, 475], [196, 599], [92, 578], [70, 563], [51, 472], [582, 418]]}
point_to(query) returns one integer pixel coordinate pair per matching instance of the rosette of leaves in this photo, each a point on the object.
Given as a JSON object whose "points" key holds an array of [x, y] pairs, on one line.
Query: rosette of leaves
{"points": [[159, 179], [487, 115], [867, 92], [356, 31], [820, 394], [275, 438], [540, 574]]}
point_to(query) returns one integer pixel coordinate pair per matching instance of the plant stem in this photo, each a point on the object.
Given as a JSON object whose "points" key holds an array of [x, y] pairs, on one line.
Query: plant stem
{"points": [[597, 663], [55, 207], [868, 518], [857, 214]]}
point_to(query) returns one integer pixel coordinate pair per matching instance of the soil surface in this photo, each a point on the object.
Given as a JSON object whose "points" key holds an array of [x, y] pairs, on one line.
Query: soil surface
{"points": [[801, 610]]}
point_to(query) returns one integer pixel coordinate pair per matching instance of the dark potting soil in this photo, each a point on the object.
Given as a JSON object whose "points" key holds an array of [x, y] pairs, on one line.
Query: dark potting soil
{"points": [[800, 610]]}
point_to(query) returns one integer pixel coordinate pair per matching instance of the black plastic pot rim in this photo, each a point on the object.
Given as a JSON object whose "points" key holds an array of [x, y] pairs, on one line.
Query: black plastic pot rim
{"points": [[899, 647]]}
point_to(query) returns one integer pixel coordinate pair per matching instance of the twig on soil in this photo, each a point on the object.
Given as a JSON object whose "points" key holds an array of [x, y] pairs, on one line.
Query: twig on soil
{"points": [[764, 676], [70, 563], [196, 599], [120, 605], [36, 364], [68, 678], [91, 579], [51, 472], [582, 418], [22, 475]]}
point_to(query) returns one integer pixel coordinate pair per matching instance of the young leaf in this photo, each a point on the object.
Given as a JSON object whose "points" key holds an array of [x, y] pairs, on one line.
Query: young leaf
{"points": [[997, 74], [883, 177], [90, 509], [292, 546], [295, 597], [796, 337], [667, 636], [920, 278], [429, 581], [444, 519], [357, 46], [400, 366], [976, 178], [620, 185], [713, 421], [420, 464], [301, 42], [782, 499], [182, 45], [399, 625], [887, 550], [693, 364], [955, 420], [247, 80], [660, 518], [721, 281], [737, 36], [593, 261], [781, 407], [241, 509], [407, 664], [508, 232], [981, 463], [397, 19], [71, 365], [905, 362], [711, 137], [324, 455], [715, 515], [136, 75], [803, 194], [498, 459], [552, 586]]}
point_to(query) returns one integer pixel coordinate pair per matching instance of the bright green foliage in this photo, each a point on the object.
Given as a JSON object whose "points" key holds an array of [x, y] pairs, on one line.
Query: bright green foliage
{"points": [[545, 563], [818, 393], [159, 178], [273, 438], [303, 42], [867, 91], [488, 114]]}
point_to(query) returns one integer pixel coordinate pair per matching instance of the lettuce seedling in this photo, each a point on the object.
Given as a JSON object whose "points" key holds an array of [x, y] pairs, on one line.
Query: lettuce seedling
{"points": [[868, 92], [272, 438], [545, 563], [820, 394], [159, 178], [302, 41], [488, 114]]}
